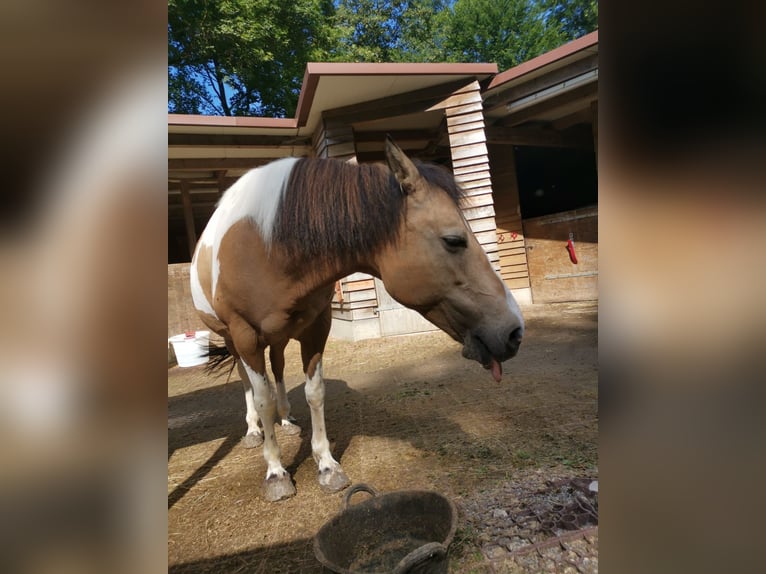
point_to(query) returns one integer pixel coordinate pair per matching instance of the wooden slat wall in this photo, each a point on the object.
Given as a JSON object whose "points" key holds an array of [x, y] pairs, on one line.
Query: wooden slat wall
{"points": [[470, 163], [554, 277], [514, 267], [334, 140], [359, 298]]}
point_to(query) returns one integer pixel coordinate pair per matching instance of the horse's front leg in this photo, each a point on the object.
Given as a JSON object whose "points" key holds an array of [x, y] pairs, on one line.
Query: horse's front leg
{"points": [[277, 358], [331, 475], [277, 485], [254, 436]]}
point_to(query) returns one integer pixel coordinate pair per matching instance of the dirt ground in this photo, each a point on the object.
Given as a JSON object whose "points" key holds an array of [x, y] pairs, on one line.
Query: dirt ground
{"points": [[403, 413]]}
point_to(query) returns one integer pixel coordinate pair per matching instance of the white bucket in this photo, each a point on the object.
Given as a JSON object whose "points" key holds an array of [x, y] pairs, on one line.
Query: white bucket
{"points": [[191, 350]]}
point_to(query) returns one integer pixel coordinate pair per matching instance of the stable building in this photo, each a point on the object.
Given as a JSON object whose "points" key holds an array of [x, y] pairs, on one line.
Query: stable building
{"points": [[522, 143]]}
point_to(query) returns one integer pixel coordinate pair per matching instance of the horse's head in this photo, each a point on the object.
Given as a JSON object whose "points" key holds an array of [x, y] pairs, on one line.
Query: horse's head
{"points": [[438, 268]]}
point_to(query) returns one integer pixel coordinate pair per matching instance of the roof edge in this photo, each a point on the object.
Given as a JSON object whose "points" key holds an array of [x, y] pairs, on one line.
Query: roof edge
{"points": [[581, 43], [231, 121], [314, 70], [399, 68]]}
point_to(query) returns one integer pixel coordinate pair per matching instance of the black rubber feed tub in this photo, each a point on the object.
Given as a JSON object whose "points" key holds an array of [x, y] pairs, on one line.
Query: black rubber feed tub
{"points": [[399, 532]]}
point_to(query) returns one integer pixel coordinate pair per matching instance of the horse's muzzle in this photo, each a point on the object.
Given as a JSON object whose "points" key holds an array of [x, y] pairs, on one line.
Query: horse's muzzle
{"points": [[486, 346]]}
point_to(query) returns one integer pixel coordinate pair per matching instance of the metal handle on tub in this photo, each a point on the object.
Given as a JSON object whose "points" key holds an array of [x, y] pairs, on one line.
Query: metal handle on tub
{"points": [[432, 553], [361, 487]]}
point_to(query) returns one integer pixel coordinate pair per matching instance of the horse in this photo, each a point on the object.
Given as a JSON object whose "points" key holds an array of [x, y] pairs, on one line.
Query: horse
{"points": [[265, 267]]}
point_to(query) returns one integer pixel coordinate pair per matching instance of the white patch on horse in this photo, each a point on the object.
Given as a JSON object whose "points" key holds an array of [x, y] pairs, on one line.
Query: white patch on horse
{"points": [[510, 300], [320, 445], [256, 195], [263, 398], [513, 305], [251, 417], [198, 295]]}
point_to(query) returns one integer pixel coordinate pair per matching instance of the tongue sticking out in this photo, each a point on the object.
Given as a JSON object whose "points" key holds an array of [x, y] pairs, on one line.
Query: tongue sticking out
{"points": [[497, 370]]}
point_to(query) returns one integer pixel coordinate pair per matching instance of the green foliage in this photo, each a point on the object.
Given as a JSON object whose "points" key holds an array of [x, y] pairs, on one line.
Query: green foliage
{"points": [[247, 57], [507, 32], [242, 57], [575, 18], [388, 30]]}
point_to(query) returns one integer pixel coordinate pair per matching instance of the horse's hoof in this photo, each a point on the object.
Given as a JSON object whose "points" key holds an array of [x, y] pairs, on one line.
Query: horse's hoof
{"points": [[289, 428], [252, 440], [277, 488], [333, 479]]}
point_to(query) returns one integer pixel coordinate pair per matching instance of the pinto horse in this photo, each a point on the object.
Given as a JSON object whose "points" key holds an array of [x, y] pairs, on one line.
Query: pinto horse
{"points": [[265, 266]]}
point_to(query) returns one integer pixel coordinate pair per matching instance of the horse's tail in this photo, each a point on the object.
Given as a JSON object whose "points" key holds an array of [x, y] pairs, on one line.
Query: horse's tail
{"points": [[219, 358]]}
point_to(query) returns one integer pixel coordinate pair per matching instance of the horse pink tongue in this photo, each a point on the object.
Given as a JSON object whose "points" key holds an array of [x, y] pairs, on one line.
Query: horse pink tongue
{"points": [[497, 370]]}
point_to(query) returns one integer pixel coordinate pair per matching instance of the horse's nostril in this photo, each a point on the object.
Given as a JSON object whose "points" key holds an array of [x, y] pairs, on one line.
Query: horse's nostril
{"points": [[516, 335]]}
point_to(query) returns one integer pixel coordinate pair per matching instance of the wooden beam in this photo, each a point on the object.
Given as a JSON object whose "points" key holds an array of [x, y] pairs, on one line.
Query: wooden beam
{"points": [[398, 135], [594, 110], [584, 116], [214, 164], [585, 93], [540, 83], [392, 106], [198, 197], [192, 185], [536, 137], [234, 140], [191, 233]]}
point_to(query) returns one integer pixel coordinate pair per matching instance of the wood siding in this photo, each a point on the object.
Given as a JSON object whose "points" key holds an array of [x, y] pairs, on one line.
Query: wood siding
{"points": [[470, 163], [510, 236], [553, 276]]}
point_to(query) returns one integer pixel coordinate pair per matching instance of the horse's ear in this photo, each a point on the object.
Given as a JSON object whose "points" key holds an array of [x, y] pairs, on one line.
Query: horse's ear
{"points": [[402, 167]]}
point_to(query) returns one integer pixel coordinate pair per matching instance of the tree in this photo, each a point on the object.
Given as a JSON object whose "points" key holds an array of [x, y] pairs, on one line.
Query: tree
{"points": [[507, 32], [388, 30], [575, 18], [247, 57], [243, 57]]}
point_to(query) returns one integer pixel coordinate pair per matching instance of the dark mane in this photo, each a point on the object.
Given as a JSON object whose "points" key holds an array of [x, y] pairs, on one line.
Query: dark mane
{"points": [[333, 210]]}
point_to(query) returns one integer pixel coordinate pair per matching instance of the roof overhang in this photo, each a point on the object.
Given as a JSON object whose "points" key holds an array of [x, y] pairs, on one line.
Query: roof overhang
{"points": [[333, 85], [209, 147], [556, 88]]}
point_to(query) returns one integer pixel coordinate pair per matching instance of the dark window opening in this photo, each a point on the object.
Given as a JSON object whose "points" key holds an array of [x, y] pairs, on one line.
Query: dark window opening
{"points": [[552, 180]]}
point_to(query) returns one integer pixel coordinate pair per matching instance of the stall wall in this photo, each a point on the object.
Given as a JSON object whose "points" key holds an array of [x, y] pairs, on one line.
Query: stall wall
{"points": [[553, 275]]}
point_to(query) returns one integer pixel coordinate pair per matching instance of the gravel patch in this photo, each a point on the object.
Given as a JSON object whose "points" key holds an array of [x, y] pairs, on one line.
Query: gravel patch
{"points": [[534, 525]]}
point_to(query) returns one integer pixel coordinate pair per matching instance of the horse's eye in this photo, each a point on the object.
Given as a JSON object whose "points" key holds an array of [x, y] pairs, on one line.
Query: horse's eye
{"points": [[454, 242]]}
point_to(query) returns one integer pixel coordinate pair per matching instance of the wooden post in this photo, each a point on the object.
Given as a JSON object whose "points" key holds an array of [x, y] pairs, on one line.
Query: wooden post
{"points": [[594, 110], [470, 163], [191, 234], [334, 139]]}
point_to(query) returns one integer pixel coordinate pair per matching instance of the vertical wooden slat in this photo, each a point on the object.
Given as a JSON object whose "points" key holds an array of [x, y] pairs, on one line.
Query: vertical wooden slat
{"points": [[514, 265], [191, 233], [222, 183], [334, 140], [465, 128]]}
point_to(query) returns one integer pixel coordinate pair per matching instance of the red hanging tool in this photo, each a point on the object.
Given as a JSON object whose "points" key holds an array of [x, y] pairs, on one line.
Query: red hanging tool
{"points": [[571, 249]]}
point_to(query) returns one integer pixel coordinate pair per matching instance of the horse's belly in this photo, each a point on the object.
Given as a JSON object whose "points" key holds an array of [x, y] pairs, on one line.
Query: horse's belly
{"points": [[293, 320]]}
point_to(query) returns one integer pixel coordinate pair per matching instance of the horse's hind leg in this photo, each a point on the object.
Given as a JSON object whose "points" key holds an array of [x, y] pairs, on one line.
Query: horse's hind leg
{"points": [[331, 475], [277, 358], [277, 484]]}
